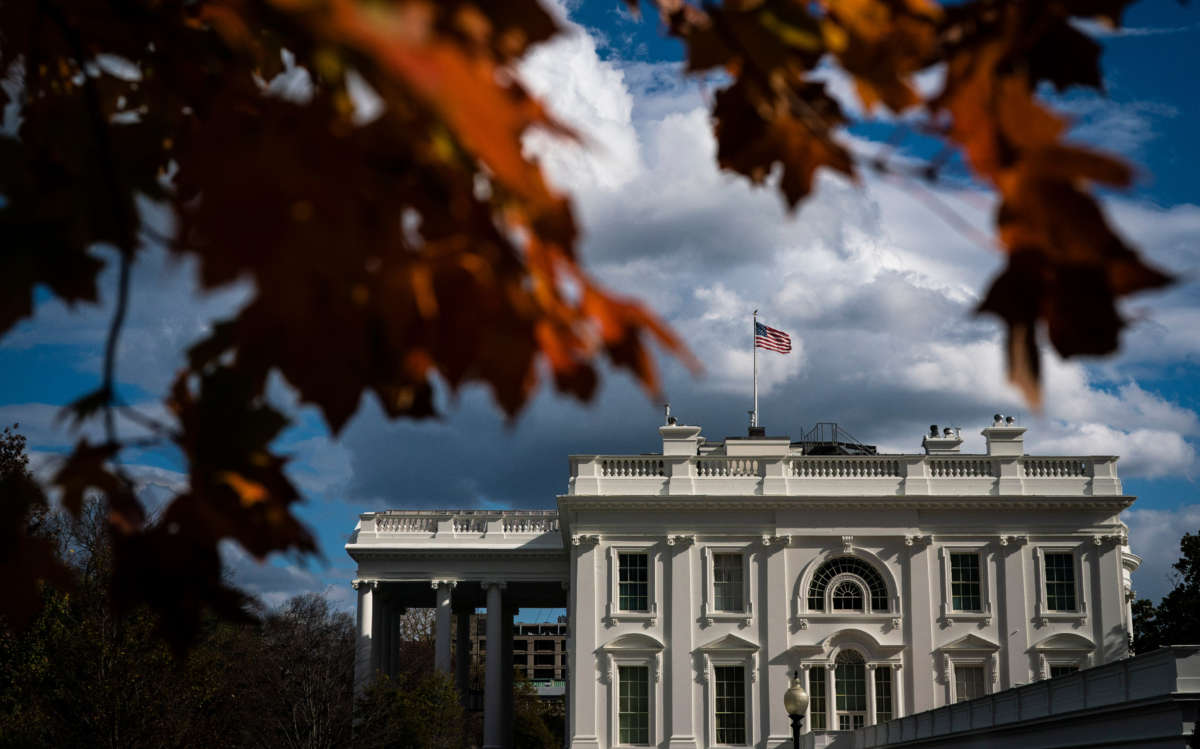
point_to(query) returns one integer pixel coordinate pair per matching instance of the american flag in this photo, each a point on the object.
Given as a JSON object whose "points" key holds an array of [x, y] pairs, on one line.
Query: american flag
{"points": [[772, 339]]}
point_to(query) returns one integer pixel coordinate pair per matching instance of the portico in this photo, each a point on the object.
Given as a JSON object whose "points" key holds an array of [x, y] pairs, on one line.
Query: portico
{"points": [[455, 563]]}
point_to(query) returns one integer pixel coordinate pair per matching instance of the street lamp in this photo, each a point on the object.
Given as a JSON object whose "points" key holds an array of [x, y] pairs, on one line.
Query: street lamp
{"points": [[795, 701]]}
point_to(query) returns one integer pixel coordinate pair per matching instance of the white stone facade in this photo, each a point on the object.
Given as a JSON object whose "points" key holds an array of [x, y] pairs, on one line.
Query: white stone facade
{"points": [[699, 579]]}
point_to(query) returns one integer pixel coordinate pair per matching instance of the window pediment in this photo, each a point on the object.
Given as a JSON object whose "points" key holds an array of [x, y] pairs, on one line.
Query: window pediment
{"points": [[970, 643], [1065, 641], [730, 643], [632, 642]]}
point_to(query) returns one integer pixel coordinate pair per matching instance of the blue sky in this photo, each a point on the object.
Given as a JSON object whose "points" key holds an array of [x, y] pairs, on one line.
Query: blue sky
{"points": [[875, 289]]}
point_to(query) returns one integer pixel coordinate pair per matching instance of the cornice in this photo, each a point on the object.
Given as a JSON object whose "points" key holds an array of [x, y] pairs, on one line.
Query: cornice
{"points": [[392, 552], [1011, 503]]}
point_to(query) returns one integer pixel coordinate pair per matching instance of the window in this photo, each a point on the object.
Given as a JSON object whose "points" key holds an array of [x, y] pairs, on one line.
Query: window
{"points": [[730, 704], [883, 694], [634, 583], [543, 644], [520, 644], [964, 582], [1060, 581], [968, 682], [727, 582], [825, 574], [850, 690], [1063, 670], [633, 708], [847, 596], [816, 698]]}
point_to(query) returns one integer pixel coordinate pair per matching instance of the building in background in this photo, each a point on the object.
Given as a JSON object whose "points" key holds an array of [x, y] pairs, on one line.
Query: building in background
{"points": [[699, 579]]}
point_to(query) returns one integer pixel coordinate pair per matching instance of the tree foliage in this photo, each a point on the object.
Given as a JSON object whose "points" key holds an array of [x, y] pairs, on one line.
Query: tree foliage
{"points": [[1176, 618], [425, 244]]}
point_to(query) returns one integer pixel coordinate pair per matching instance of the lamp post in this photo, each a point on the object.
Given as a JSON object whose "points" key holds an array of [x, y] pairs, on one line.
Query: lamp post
{"points": [[795, 701]]}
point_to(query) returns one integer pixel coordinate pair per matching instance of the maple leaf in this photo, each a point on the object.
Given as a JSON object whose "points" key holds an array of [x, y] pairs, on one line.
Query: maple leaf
{"points": [[801, 141]]}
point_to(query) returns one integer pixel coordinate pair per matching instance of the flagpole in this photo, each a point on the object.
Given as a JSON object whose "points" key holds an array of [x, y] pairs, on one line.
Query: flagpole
{"points": [[754, 350]]}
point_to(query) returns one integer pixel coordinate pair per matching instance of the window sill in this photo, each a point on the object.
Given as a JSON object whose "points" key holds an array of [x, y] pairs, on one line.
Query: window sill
{"points": [[727, 616], [807, 618], [1046, 617], [649, 617], [950, 617]]}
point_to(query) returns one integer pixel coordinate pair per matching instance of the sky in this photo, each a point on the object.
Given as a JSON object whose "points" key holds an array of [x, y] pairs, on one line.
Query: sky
{"points": [[875, 282]]}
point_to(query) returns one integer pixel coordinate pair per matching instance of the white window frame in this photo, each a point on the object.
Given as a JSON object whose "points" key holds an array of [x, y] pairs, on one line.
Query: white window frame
{"points": [[749, 664], [708, 611], [613, 613], [803, 615], [989, 662], [1043, 615], [949, 613], [873, 662], [652, 660]]}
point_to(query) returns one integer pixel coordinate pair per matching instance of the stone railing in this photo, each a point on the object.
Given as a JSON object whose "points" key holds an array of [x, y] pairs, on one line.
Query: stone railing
{"points": [[845, 467], [461, 523], [630, 466], [722, 467], [875, 475]]}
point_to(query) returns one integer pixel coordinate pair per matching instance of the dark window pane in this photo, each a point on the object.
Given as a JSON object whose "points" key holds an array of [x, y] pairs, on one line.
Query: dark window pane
{"points": [[968, 682], [727, 582], [730, 704], [816, 696], [633, 582], [847, 596], [965, 591], [633, 705], [1060, 582], [883, 694], [872, 581]]}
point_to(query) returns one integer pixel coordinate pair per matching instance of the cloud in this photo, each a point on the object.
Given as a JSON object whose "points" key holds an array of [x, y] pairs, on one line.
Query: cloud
{"points": [[1154, 535]]}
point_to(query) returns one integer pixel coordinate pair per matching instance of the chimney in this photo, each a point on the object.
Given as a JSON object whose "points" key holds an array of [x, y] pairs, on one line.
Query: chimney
{"points": [[1004, 437], [946, 443], [678, 439]]}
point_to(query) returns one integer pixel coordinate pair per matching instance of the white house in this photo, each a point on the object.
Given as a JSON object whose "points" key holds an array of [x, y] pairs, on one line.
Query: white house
{"points": [[699, 579]]}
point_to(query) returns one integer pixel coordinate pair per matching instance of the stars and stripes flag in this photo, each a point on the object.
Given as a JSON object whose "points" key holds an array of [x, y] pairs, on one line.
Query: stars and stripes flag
{"points": [[771, 339]]}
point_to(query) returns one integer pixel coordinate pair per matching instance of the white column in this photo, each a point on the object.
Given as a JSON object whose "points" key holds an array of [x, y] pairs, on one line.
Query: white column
{"points": [[441, 658], [366, 617], [870, 694], [831, 697], [897, 692], [585, 700], [1014, 619], [681, 615], [494, 681], [920, 620], [462, 654], [773, 613]]}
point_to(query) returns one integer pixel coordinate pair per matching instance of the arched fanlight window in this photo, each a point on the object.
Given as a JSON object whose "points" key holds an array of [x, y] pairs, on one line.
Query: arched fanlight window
{"points": [[847, 596], [872, 582]]}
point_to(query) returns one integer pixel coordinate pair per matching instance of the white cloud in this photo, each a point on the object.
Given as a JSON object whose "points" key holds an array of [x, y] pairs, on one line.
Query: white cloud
{"points": [[876, 288], [1154, 536]]}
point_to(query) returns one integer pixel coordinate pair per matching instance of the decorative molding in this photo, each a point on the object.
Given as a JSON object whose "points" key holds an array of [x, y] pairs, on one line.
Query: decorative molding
{"points": [[368, 584], [1014, 540], [847, 544], [585, 538], [802, 622], [1013, 503], [915, 539], [784, 540], [682, 539], [896, 622], [485, 584], [435, 584]]}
